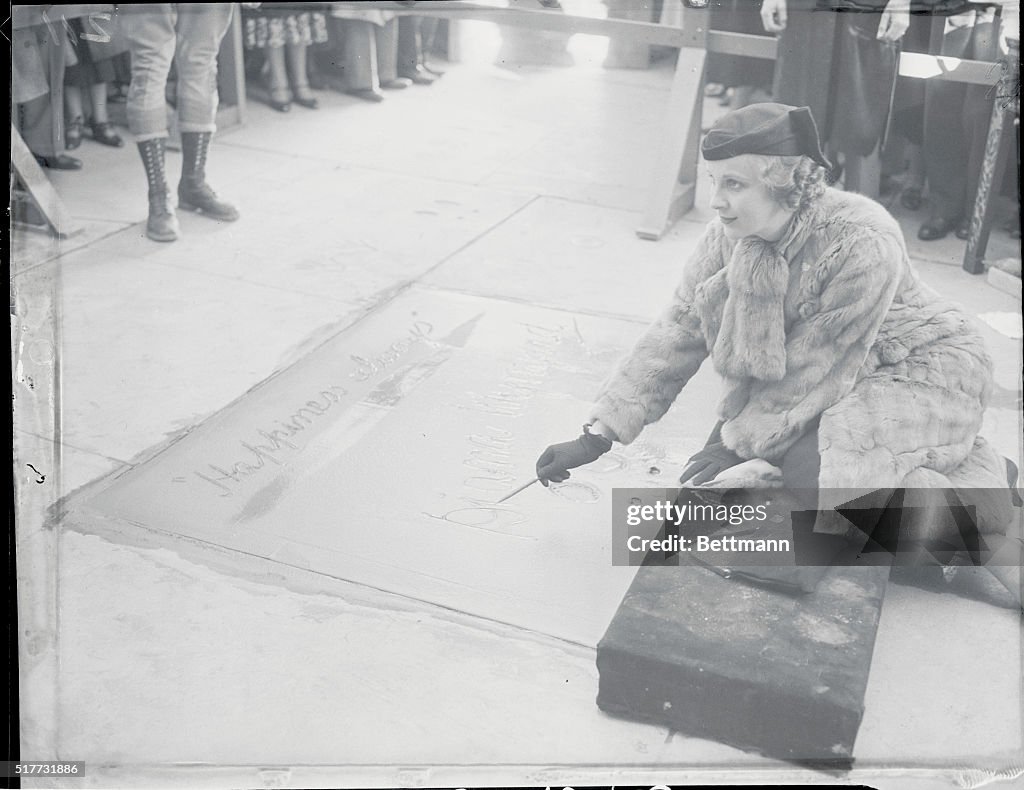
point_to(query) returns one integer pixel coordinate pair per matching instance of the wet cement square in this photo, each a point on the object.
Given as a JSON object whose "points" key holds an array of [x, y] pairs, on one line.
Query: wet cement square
{"points": [[379, 457]]}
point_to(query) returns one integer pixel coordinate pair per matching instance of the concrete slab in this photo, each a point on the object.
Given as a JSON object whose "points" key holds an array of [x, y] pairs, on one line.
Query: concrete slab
{"points": [[354, 678], [374, 232], [610, 169], [405, 134], [945, 688], [142, 356], [582, 258], [379, 456]]}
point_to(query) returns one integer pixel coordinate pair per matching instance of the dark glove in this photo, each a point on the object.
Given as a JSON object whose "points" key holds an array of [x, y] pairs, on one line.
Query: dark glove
{"points": [[706, 464], [556, 461]]}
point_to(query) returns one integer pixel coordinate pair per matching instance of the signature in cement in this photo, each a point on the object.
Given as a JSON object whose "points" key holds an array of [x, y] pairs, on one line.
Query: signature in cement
{"points": [[277, 439]]}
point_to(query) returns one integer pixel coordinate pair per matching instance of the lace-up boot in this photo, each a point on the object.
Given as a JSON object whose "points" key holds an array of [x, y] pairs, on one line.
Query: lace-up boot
{"points": [[194, 194], [162, 224]]}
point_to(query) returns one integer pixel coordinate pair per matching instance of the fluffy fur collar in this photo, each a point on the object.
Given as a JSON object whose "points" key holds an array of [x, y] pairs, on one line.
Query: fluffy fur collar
{"points": [[751, 342]]}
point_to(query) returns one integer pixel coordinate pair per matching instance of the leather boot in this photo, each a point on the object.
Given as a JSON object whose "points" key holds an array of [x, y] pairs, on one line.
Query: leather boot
{"points": [[194, 194], [162, 224]]}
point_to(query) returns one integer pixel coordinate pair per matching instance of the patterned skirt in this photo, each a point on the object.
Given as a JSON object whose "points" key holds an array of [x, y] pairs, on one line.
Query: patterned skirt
{"points": [[265, 27]]}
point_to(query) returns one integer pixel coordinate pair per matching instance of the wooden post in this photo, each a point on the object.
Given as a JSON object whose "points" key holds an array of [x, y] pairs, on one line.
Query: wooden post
{"points": [[39, 187], [231, 75], [674, 181], [997, 148]]}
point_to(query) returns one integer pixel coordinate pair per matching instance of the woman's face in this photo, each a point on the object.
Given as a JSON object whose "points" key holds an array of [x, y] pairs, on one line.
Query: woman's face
{"points": [[744, 204]]}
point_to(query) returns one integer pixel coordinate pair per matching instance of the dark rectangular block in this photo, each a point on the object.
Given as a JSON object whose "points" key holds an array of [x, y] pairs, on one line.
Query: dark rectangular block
{"points": [[722, 659]]}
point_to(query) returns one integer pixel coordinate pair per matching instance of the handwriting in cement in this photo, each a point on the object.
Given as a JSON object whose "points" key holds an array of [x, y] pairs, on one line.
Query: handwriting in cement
{"points": [[276, 438]]}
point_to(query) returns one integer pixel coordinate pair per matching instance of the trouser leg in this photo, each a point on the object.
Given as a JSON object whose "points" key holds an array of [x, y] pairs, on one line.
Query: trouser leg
{"points": [[361, 72], [408, 45], [387, 52], [35, 123], [150, 32], [945, 144], [200, 30]]}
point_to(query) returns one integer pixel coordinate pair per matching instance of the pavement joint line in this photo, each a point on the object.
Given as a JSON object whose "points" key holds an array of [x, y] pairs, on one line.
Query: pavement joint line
{"points": [[633, 319], [74, 447], [478, 237], [85, 243]]}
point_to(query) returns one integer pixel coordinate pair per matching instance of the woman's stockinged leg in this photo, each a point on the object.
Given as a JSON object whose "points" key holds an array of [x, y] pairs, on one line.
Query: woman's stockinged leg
{"points": [[277, 79]]}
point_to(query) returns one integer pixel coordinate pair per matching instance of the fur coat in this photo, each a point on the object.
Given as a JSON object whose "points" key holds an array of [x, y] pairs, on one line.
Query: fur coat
{"points": [[830, 321]]}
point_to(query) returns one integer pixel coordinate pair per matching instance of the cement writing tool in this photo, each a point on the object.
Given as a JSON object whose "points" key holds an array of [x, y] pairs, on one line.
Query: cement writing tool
{"points": [[524, 486]]}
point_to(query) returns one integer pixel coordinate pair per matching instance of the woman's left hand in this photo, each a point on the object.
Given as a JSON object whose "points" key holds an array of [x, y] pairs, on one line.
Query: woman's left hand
{"points": [[709, 462], [895, 20]]}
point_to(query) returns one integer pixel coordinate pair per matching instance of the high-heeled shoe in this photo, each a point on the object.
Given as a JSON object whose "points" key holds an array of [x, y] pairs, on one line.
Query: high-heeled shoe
{"points": [[104, 134], [280, 99], [302, 97], [73, 133], [419, 76], [366, 94]]}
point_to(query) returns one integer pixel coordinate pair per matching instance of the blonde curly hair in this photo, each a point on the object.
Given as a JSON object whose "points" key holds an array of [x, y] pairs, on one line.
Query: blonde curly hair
{"points": [[793, 181]]}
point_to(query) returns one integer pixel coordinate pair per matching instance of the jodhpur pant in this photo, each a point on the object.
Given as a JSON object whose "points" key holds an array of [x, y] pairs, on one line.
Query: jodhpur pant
{"points": [[190, 35]]}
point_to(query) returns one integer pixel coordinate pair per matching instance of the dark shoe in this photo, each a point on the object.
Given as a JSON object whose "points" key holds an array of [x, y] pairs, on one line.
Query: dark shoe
{"points": [[935, 228], [104, 134], [910, 198], [963, 230], [397, 84], [162, 223], [59, 162], [73, 134], [419, 77], [197, 196], [367, 94]]}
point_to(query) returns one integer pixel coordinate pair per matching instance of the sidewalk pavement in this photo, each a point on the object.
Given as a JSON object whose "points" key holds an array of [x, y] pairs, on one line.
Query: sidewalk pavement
{"points": [[508, 190]]}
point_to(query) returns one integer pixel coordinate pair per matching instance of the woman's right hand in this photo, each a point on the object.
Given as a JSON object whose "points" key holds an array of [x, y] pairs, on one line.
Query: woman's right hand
{"points": [[773, 15], [555, 462]]}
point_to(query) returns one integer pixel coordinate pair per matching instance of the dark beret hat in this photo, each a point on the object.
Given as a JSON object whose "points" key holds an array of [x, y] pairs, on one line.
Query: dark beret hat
{"points": [[764, 128]]}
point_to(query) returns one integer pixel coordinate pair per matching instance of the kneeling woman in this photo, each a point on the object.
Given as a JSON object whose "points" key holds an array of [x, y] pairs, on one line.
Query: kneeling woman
{"points": [[842, 370]]}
